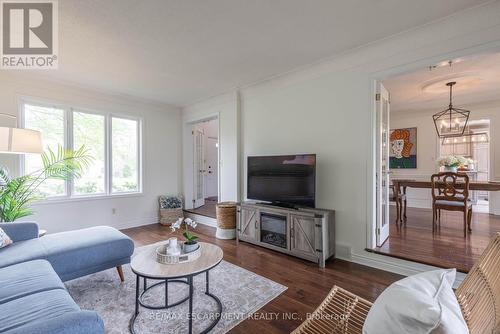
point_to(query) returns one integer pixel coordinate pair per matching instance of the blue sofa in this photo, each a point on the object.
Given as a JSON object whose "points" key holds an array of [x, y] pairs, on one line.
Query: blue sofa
{"points": [[33, 298]]}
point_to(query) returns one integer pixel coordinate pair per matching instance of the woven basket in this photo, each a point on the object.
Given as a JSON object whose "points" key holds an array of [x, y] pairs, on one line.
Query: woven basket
{"points": [[170, 216], [226, 215]]}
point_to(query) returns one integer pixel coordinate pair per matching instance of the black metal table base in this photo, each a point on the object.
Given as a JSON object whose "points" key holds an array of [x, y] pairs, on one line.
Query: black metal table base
{"points": [[189, 281]]}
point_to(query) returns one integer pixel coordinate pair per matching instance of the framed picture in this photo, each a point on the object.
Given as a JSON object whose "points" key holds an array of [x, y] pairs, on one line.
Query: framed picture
{"points": [[403, 148]]}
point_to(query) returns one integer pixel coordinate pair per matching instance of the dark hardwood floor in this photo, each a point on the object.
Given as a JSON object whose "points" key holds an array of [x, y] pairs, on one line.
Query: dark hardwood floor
{"points": [[307, 283], [445, 248], [207, 210]]}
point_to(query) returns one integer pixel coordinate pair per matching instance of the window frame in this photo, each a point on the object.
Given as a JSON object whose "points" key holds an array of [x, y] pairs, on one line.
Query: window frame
{"points": [[69, 111], [106, 144], [110, 155]]}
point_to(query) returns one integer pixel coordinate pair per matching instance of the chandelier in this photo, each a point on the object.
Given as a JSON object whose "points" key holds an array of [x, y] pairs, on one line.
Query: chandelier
{"points": [[452, 121]]}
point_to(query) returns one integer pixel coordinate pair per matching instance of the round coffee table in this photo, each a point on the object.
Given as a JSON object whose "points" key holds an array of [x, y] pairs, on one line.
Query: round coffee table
{"points": [[144, 266]]}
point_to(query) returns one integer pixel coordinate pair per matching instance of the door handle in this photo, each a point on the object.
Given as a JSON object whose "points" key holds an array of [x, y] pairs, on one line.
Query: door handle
{"points": [[255, 225]]}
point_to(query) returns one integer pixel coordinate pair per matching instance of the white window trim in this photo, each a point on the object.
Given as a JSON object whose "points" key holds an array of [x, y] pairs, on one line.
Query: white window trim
{"points": [[68, 143]]}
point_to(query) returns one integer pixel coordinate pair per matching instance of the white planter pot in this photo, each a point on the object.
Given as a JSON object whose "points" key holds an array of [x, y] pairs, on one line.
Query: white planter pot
{"points": [[450, 169], [188, 248]]}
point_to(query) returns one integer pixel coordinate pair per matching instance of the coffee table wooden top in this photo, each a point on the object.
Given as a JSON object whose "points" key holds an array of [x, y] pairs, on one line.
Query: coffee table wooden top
{"points": [[144, 262]]}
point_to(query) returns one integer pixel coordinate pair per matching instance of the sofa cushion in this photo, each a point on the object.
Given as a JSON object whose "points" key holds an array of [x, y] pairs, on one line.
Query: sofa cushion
{"points": [[77, 253], [41, 306], [26, 278], [20, 231], [5, 240], [21, 251], [80, 322]]}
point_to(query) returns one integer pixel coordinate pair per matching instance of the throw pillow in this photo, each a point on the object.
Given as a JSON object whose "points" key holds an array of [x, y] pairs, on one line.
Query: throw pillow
{"points": [[170, 202], [418, 304], [5, 240]]}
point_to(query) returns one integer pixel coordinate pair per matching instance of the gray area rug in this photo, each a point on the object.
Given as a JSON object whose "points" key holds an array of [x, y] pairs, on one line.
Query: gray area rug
{"points": [[241, 292]]}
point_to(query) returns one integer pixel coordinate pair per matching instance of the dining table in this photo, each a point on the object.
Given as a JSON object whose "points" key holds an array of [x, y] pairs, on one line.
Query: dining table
{"points": [[403, 184]]}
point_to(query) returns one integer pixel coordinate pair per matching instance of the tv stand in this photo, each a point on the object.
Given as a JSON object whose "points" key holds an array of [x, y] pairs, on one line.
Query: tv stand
{"points": [[302, 232], [280, 205]]}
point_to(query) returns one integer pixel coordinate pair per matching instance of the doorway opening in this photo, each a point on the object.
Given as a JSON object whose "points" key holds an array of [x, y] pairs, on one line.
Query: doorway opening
{"points": [[475, 145], [205, 167], [408, 149]]}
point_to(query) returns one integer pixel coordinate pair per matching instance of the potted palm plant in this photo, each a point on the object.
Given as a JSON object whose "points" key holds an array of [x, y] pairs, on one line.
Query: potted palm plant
{"points": [[16, 194]]}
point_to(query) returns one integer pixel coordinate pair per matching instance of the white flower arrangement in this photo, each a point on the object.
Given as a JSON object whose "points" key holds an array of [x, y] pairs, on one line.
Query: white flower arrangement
{"points": [[187, 222], [452, 161]]}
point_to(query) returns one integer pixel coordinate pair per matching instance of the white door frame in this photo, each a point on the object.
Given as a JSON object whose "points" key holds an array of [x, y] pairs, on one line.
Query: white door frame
{"points": [[382, 112], [371, 210], [187, 157]]}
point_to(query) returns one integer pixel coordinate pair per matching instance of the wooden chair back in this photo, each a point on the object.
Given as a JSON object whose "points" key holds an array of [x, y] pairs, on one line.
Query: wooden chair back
{"points": [[479, 293], [450, 186]]}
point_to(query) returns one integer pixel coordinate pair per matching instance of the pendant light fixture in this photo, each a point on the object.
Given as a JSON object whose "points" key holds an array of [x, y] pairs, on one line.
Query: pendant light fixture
{"points": [[452, 121]]}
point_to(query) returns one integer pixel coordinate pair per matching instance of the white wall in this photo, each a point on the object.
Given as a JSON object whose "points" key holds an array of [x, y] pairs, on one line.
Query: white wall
{"points": [[225, 107], [427, 148], [328, 108], [161, 155]]}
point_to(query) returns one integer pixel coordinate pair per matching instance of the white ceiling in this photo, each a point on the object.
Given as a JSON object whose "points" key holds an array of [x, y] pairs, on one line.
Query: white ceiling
{"points": [[182, 51], [477, 78]]}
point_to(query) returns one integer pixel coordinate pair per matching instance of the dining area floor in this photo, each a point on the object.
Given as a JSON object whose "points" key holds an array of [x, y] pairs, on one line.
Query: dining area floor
{"points": [[447, 247]]}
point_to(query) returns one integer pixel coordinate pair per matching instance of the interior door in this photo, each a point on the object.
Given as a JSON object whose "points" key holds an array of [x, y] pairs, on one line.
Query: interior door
{"points": [[199, 167], [481, 154], [382, 164], [211, 163]]}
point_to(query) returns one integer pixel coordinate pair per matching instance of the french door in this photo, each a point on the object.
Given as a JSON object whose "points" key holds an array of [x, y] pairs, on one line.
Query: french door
{"points": [[382, 164], [199, 167]]}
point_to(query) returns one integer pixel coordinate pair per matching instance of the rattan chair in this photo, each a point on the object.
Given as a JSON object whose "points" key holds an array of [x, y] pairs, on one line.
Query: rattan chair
{"points": [[479, 293], [342, 312]]}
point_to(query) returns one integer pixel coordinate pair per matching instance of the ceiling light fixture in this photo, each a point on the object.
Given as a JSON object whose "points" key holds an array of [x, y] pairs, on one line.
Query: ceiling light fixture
{"points": [[452, 121]]}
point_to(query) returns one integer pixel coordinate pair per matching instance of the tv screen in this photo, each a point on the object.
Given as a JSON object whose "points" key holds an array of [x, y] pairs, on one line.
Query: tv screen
{"points": [[288, 179]]}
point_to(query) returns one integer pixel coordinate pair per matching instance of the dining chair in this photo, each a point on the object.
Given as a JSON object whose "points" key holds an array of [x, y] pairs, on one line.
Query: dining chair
{"points": [[450, 191], [400, 199]]}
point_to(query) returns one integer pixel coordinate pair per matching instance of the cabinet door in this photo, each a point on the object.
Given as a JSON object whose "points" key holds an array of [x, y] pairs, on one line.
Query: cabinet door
{"points": [[248, 224], [302, 236]]}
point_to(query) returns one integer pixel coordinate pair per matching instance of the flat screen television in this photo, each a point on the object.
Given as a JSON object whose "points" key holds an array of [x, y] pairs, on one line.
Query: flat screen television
{"points": [[283, 180]]}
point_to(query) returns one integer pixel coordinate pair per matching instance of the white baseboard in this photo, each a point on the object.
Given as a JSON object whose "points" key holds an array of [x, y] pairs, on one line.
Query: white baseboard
{"points": [[391, 264]]}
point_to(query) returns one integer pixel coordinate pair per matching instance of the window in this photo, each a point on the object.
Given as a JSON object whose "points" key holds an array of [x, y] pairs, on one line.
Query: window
{"points": [[112, 141], [124, 148], [89, 130], [50, 122]]}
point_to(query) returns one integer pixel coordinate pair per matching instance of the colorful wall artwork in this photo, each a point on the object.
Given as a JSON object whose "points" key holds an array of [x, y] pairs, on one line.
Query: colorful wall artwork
{"points": [[403, 148]]}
